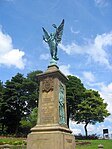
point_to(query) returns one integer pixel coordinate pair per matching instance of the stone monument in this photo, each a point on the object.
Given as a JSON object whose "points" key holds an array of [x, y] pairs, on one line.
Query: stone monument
{"points": [[51, 131]]}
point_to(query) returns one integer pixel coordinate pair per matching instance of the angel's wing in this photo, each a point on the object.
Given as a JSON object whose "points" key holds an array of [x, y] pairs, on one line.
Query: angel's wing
{"points": [[59, 32], [46, 34]]}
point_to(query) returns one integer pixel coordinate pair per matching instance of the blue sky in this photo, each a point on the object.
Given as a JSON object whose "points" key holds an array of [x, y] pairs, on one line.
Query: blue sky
{"points": [[85, 50]]}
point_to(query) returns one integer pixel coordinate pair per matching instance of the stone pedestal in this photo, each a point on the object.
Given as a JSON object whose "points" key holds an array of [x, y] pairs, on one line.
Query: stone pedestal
{"points": [[51, 130]]}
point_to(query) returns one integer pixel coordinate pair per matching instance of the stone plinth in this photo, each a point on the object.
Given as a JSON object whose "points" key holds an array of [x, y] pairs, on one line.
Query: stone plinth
{"points": [[51, 130]]}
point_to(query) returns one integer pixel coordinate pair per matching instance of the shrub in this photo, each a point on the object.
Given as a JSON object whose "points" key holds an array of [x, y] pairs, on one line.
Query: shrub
{"points": [[12, 141], [90, 137]]}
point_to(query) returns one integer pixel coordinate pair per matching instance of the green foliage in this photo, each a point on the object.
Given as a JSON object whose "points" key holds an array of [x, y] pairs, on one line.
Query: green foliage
{"points": [[19, 97], [92, 109], [33, 75], [89, 137], [84, 106], [32, 89], [28, 122], [15, 103], [75, 88], [2, 105], [31, 120], [12, 141]]}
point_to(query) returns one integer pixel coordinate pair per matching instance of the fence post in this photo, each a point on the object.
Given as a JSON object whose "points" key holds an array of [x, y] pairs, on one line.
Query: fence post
{"points": [[100, 146]]}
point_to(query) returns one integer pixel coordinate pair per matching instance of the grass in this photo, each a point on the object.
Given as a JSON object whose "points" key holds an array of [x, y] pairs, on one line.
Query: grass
{"points": [[12, 141], [21, 141], [94, 144]]}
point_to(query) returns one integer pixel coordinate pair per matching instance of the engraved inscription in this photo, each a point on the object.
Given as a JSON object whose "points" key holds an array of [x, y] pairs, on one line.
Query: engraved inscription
{"points": [[48, 119], [46, 100], [47, 108], [47, 84], [47, 111], [43, 139], [69, 140]]}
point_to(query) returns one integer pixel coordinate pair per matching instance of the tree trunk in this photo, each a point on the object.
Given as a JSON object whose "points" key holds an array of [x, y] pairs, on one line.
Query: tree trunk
{"points": [[85, 127]]}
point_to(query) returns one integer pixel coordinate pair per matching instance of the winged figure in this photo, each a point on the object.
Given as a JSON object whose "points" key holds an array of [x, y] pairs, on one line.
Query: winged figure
{"points": [[53, 39]]}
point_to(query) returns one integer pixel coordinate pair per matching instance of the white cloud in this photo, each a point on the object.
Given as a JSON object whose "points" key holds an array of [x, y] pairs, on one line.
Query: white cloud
{"points": [[74, 32], [65, 69], [76, 128], [72, 48], [76, 131], [89, 76], [92, 129], [101, 3], [106, 93], [5, 43], [45, 56], [109, 118], [10, 56], [98, 128], [95, 49]]}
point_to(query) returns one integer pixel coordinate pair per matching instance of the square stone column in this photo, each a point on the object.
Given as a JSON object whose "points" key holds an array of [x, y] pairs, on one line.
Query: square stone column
{"points": [[51, 130]]}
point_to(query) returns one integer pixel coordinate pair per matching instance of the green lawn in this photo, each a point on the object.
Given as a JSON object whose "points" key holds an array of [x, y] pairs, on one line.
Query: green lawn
{"points": [[12, 141], [94, 144]]}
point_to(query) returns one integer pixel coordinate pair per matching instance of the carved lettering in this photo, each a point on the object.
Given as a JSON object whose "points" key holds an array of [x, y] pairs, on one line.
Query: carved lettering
{"points": [[43, 139], [47, 119], [69, 140], [46, 100], [47, 111]]}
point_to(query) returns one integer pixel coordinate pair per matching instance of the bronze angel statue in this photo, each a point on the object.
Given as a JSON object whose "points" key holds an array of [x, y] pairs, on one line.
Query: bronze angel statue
{"points": [[53, 39]]}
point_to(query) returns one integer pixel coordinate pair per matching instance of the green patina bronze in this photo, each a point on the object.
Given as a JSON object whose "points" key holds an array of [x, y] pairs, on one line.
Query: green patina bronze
{"points": [[62, 105], [53, 39]]}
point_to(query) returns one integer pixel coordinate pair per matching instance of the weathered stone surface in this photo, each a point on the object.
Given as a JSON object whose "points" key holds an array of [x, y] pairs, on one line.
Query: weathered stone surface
{"points": [[51, 140], [51, 130], [49, 96]]}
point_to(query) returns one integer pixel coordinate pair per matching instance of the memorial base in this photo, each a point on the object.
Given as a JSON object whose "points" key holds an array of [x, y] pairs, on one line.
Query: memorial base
{"points": [[56, 137]]}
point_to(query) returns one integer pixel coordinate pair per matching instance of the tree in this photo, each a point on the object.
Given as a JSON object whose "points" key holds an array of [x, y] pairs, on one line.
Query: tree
{"points": [[32, 89], [28, 122], [20, 97], [91, 110], [33, 75], [15, 103], [74, 88], [2, 105]]}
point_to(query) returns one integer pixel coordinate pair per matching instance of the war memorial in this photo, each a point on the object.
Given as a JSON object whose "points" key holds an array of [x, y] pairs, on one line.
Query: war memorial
{"points": [[51, 131]]}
